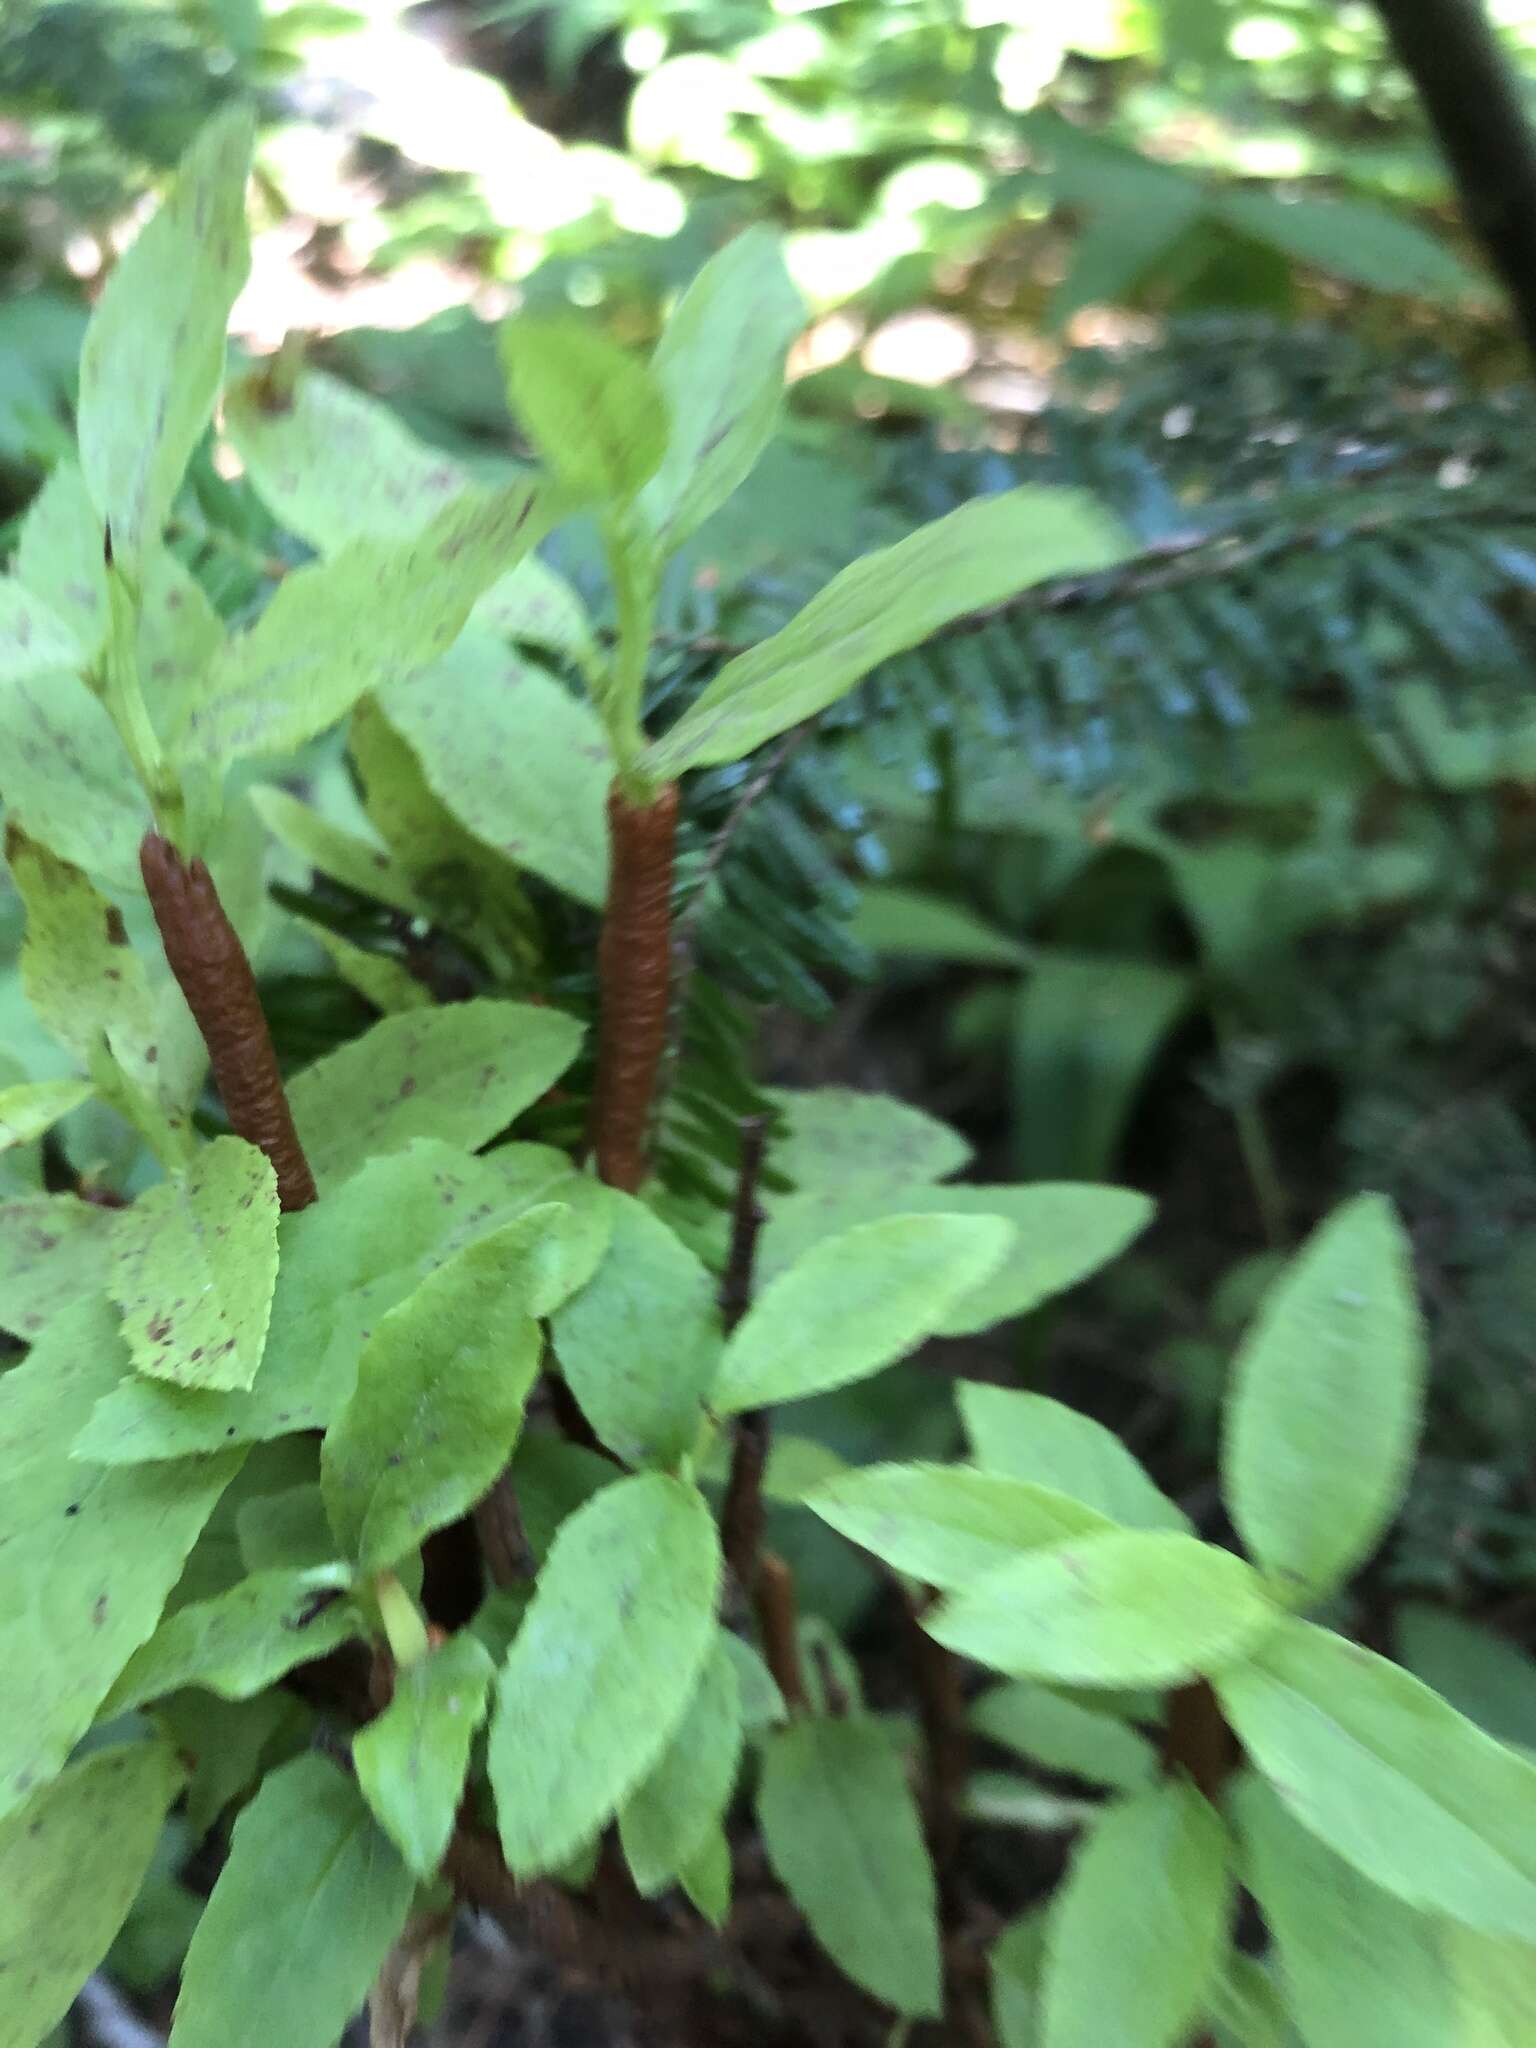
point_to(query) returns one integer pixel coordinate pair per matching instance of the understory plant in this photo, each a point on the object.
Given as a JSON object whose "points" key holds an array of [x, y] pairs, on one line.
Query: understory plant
{"points": [[387, 1466]]}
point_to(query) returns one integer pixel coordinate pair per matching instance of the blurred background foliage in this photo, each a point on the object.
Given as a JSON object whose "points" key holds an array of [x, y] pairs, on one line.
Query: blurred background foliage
{"points": [[1216, 874]]}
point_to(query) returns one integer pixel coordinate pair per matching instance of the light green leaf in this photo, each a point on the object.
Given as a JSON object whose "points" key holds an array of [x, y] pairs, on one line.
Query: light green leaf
{"points": [[1360, 1969], [33, 643], [411, 1761], [843, 1835], [720, 365], [915, 924], [854, 1304], [373, 613], [153, 358], [1249, 2008], [337, 466], [1485, 1676], [1063, 1231], [1087, 1028], [1135, 1936], [1033, 1437], [762, 1704], [1127, 1608], [602, 1671], [87, 1557], [71, 1863], [639, 1344], [32, 1107], [458, 1074], [843, 1138], [597, 416], [194, 1263], [706, 1878], [439, 1399], [1017, 1961], [1390, 1777], [305, 1910], [286, 1529], [519, 761], [671, 1815], [53, 1253], [986, 551], [345, 856], [947, 1523], [59, 559], [66, 778], [1064, 1736], [242, 1641], [1354, 239], [181, 639], [343, 1263], [1325, 1403]]}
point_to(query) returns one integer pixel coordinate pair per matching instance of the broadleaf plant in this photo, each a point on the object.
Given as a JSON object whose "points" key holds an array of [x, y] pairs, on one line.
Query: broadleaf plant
{"points": [[392, 1454]]}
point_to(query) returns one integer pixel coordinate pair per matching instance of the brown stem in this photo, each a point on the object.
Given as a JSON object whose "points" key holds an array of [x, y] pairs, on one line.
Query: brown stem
{"points": [[209, 962], [946, 1739], [1472, 96], [1198, 1740], [741, 1517], [504, 1541], [634, 965], [775, 1602]]}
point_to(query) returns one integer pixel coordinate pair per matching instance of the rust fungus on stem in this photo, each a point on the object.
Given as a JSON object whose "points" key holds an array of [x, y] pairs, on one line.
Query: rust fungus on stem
{"points": [[209, 962], [634, 964]]}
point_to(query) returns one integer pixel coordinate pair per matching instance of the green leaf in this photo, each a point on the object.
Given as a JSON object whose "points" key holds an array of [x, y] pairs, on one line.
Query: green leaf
{"points": [[596, 415], [844, 1137], [337, 466], [915, 924], [33, 643], [1135, 1936], [671, 1815], [89, 1555], [305, 1910], [343, 1263], [373, 613], [438, 1405], [153, 358], [1017, 1962], [706, 1878], [1353, 239], [720, 366], [71, 1863], [1361, 1969], [980, 555], [519, 761], [411, 1761], [194, 1263], [1126, 1608], [843, 1835], [53, 1254], [945, 1524], [242, 1641], [854, 1304], [345, 856], [1390, 1777], [1064, 1736], [639, 1344], [601, 1673], [1087, 1029], [1030, 1436], [1484, 1676], [1062, 1233], [1249, 2008], [1325, 1403], [458, 1074], [66, 777], [32, 1107], [59, 559]]}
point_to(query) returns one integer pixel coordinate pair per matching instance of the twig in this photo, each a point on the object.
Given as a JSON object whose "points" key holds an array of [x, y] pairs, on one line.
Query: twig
{"points": [[634, 961], [776, 1619], [1198, 1740], [210, 964], [946, 1739], [741, 1517]]}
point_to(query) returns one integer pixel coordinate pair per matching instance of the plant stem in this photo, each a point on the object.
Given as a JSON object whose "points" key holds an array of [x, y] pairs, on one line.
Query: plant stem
{"points": [[776, 1620], [210, 964], [741, 1517], [946, 1740], [1473, 100], [1197, 1740], [634, 964]]}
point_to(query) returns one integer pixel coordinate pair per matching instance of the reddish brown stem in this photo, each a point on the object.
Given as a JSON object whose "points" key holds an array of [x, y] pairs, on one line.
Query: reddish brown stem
{"points": [[775, 1600], [946, 1740], [634, 966], [209, 962], [1197, 1740], [741, 1517]]}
